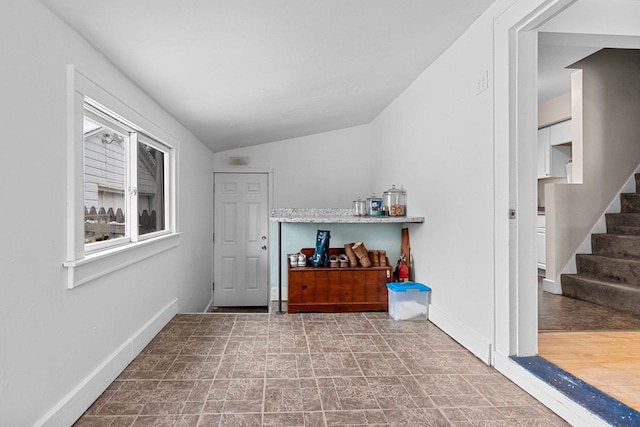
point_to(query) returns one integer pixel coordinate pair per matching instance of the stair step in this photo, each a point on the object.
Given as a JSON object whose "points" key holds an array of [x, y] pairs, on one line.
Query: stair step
{"points": [[619, 270], [618, 296], [623, 223], [630, 202], [616, 245]]}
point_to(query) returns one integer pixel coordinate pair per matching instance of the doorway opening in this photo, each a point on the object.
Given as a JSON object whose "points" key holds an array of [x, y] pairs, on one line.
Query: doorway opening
{"points": [[517, 289], [521, 286], [569, 329]]}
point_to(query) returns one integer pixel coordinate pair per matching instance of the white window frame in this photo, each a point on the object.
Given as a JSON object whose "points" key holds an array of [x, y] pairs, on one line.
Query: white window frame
{"points": [[97, 113], [168, 152], [86, 264]]}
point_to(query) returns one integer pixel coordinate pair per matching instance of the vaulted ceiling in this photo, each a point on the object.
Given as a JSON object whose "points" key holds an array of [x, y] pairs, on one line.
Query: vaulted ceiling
{"points": [[243, 72]]}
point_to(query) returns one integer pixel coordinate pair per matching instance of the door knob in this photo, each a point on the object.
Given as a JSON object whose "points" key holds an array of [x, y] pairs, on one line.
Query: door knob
{"points": [[264, 247]]}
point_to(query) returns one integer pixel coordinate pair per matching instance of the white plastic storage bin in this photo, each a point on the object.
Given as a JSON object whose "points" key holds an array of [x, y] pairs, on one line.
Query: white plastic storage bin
{"points": [[408, 300]]}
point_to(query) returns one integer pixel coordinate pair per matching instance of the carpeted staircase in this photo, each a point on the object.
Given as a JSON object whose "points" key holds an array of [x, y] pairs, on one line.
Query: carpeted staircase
{"points": [[610, 276]]}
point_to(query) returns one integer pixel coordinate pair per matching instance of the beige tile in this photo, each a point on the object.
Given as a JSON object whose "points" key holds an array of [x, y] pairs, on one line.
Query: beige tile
{"points": [[120, 408], [343, 418], [166, 421], [284, 420], [193, 408], [334, 364], [241, 420], [162, 408], [327, 344], [246, 345], [367, 343], [311, 369], [287, 343], [172, 391], [105, 421], [209, 420], [289, 366], [291, 395], [380, 364]]}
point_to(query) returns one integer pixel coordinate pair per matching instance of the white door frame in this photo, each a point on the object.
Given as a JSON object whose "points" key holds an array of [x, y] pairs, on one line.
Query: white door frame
{"points": [[271, 247], [515, 176], [516, 114]]}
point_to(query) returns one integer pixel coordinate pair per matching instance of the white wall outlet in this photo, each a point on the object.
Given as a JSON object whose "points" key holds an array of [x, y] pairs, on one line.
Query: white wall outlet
{"points": [[483, 82]]}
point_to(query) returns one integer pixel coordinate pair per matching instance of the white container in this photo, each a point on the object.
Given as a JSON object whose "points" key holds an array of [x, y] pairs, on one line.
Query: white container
{"points": [[408, 300]]}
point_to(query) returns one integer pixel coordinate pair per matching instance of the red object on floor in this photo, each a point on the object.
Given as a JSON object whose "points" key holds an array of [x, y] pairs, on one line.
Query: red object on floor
{"points": [[402, 272]]}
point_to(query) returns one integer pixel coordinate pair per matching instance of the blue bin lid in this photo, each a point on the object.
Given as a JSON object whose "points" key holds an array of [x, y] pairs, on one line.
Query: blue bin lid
{"points": [[407, 286]]}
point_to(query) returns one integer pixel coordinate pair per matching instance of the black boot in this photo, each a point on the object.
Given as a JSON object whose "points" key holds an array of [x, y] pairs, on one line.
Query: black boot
{"points": [[321, 254]]}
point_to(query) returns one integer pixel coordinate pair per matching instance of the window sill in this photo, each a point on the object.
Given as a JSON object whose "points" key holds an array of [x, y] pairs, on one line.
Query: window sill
{"points": [[101, 263]]}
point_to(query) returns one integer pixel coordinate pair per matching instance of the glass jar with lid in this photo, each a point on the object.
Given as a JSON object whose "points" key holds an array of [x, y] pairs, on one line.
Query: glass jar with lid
{"points": [[394, 201], [374, 205], [359, 207]]}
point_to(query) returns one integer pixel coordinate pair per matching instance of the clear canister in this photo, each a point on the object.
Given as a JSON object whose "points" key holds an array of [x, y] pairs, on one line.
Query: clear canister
{"points": [[360, 207], [394, 201]]}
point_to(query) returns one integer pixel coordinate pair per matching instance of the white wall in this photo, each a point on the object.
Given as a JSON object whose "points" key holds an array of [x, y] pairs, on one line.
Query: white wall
{"points": [[441, 133], [328, 169], [52, 338], [554, 110]]}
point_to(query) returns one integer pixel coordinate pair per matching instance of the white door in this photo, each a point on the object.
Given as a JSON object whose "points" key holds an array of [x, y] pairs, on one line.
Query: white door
{"points": [[240, 240]]}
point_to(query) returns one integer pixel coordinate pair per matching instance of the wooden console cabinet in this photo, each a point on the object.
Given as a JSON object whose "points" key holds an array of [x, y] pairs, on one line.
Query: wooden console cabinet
{"points": [[336, 290]]}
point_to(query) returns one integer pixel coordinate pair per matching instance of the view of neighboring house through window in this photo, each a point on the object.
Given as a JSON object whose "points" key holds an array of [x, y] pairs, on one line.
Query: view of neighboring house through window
{"points": [[150, 188], [125, 191]]}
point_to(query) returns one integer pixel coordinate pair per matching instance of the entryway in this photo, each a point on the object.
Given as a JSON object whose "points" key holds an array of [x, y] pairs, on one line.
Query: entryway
{"points": [[516, 289], [241, 240]]}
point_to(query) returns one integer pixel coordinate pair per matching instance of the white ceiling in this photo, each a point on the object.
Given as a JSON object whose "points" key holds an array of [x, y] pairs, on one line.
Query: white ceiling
{"points": [[556, 51], [244, 72], [586, 26], [554, 78]]}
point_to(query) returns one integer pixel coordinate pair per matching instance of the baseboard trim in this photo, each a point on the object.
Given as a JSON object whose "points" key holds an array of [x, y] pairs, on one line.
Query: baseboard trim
{"points": [[552, 286], [548, 395], [78, 400], [209, 306], [274, 293], [460, 332]]}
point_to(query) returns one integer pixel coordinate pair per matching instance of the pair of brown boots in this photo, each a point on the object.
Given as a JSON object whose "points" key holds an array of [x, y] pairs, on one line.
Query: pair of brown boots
{"points": [[358, 254], [378, 258]]}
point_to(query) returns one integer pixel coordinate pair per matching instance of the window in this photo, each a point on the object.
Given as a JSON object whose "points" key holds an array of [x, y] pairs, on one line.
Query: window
{"points": [[124, 169], [121, 180]]}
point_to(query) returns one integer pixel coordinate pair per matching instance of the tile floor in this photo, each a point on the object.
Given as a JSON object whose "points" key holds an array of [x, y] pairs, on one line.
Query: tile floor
{"points": [[310, 370]]}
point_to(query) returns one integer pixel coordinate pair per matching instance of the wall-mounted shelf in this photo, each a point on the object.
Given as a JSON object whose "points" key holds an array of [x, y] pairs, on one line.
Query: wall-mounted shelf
{"points": [[335, 216]]}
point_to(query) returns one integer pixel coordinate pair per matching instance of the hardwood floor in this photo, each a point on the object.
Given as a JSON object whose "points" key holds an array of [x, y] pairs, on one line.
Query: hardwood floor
{"points": [[599, 345], [607, 360]]}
